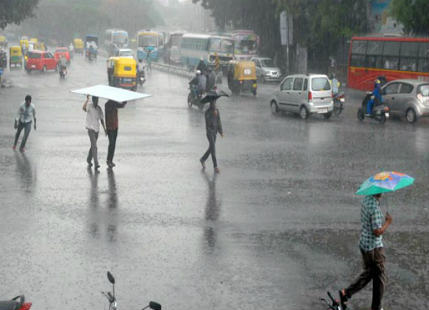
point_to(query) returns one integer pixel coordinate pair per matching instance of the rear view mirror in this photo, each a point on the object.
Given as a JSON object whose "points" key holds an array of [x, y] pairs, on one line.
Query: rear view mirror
{"points": [[154, 305], [110, 277]]}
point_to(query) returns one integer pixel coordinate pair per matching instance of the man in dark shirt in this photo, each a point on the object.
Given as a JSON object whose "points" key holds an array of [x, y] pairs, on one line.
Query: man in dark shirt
{"points": [[111, 110], [213, 126]]}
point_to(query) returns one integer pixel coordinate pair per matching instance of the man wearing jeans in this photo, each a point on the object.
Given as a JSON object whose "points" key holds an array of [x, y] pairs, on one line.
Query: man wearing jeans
{"points": [[371, 247], [111, 110], [94, 116], [26, 114]]}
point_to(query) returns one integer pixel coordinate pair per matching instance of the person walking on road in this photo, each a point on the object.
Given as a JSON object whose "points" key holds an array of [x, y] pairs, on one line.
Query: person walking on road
{"points": [[371, 247], [94, 116], [213, 127], [111, 111], [24, 119]]}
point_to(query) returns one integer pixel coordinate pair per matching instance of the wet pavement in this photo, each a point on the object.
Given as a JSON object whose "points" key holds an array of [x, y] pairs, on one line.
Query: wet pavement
{"points": [[276, 229]]}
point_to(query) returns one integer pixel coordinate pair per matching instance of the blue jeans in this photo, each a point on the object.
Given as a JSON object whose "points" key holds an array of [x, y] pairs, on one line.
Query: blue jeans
{"points": [[369, 106], [27, 129]]}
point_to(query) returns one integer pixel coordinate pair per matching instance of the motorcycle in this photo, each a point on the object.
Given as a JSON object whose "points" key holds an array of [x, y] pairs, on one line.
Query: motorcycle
{"points": [[194, 97], [380, 112], [17, 303], [62, 71], [141, 78], [339, 100], [111, 297]]}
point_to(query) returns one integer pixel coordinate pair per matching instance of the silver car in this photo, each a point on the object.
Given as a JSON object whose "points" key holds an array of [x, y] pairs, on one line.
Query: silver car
{"points": [[266, 71], [409, 98], [304, 94]]}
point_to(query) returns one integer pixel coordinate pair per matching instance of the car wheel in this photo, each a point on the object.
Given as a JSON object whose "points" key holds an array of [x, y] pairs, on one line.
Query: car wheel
{"points": [[327, 115], [44, 69], [303, 112], [411, 116], [274, 107], [360, 115]]}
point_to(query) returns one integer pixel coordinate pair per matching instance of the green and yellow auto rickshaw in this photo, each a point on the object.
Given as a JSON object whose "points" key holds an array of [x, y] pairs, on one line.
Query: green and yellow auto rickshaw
{"points": [[122, 72], [15, 56], [242, 77]]}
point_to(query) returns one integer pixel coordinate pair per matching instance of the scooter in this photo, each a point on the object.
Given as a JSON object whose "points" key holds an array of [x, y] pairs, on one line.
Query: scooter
{"points": [[141, 78], [17, 303], [194, 97], [63, 72], [111, 297], [380, 112], [332, 304], [339, 100]]}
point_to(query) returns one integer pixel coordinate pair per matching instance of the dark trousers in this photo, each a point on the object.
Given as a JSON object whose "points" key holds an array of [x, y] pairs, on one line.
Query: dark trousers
{"points": [[373, 269], [211, 150], [27, 129], [112, 134], [92, 153]]}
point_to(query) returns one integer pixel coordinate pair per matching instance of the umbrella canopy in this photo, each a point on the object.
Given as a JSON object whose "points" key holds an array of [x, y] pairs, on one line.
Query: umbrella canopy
{"points": [[385, 182], [111, 93], [214, 95]]}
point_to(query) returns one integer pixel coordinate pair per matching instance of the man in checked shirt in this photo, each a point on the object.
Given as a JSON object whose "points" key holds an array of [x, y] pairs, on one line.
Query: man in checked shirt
{"points": [[371, 247]]}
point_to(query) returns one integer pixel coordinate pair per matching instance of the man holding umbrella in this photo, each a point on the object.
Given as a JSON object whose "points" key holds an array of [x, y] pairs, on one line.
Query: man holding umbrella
{"points": [[371, 243], [213, 127]]}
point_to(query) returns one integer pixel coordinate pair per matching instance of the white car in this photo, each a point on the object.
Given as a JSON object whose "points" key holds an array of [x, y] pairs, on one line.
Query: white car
{"points": [[266, 71], [304, 94], [125, 52]]}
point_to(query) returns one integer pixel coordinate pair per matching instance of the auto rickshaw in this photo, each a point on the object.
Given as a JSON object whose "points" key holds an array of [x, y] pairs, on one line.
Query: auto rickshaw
{"points": [[242, 77], [122, 72], [23, 43], [15, 56], [78, 46], [3, 59]]}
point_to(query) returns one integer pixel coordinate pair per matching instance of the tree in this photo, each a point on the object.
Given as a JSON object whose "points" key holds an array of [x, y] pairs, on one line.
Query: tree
{"points": [[413, 14], [15, 11]]}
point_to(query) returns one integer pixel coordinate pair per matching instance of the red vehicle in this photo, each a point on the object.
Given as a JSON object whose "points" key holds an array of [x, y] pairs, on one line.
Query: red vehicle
{"points": [[40, 61], [392, 57], [62, 51]]}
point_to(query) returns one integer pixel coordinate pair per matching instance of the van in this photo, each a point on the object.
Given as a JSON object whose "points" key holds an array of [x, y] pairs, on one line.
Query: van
{"points": [[40, 61], [304, 94]]}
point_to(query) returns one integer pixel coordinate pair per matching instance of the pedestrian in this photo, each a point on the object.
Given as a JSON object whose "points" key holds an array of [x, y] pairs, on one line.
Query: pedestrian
{"points": [[26, 114], [111, 111], [371, 248], [213, 127], [94, 116]]}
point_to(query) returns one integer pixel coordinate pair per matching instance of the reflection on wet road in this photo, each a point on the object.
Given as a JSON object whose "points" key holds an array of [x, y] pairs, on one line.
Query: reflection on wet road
{"points": [[276, 229]]}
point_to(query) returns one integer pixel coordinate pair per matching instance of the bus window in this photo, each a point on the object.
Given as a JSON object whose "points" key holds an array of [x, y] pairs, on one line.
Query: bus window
{"points": [[408, 59], [374, 54], [423, 57], [357, 61], [391, 55], [358, 53]]}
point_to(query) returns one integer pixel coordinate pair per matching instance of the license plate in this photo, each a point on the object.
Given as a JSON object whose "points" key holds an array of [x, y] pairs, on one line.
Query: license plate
{"points": [[321, 111]]}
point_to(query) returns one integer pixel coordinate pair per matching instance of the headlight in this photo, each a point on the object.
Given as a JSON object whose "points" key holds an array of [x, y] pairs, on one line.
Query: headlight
{"points": [[342, 100]]}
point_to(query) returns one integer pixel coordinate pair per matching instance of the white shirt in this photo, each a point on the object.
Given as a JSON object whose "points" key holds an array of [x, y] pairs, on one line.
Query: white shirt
{"points": [[26, 114], [93, 117]]}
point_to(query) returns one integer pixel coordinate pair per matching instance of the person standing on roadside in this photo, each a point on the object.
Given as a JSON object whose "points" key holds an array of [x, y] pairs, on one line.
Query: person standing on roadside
{"points": [[111, 109], [213, 127], [94, 116], [26, 114], [371, 247]]}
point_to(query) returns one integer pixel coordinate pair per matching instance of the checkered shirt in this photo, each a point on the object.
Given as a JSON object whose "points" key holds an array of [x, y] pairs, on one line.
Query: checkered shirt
{"points": [[371, 218]]}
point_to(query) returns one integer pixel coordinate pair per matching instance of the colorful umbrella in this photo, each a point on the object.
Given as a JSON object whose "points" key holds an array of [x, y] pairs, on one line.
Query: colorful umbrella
{"points": [[385, 182]]}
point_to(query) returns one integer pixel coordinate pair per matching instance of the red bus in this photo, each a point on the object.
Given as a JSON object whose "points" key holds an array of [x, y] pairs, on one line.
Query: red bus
{"points": [[392, 57]]}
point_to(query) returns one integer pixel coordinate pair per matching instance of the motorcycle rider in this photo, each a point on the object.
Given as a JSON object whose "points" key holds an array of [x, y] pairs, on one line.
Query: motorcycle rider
{"points": [[211, 79], [376, 93], [140, 68], [194, 83], [62, 63], [335, 84]]}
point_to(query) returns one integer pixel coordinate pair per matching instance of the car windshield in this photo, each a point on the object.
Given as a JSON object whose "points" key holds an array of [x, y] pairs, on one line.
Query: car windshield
{"points": [[126, 53], [120, 37], [227, 46], [34, 55], [147, 41], [320, 84], [424, 90], [267, 63]]}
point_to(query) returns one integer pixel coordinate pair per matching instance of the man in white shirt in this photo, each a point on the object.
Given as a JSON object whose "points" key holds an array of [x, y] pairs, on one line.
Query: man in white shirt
{"points": [[26, 114], [94, 116]]}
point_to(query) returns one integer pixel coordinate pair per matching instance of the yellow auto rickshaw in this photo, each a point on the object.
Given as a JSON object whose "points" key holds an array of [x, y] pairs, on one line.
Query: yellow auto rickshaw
{"points": [[242, 77], [3, 41], [122, 72], [23, 43], [15, 56], [78, 46]]}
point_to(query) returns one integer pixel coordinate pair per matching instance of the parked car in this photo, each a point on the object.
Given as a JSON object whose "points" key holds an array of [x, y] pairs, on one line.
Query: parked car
{"points": [[266, 71], [304, 94], [409, 98], [62, 51], [41, 61]]}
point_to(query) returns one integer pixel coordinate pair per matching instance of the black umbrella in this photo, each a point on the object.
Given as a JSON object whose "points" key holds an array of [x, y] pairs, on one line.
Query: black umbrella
{"points": [[213, 96]]}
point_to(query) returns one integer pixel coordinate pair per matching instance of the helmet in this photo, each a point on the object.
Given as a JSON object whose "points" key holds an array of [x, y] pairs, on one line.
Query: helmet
{"points": [[377, 81], [198, 72]]}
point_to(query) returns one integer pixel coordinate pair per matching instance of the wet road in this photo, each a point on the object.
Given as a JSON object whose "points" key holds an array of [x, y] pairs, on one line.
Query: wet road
{"points": [[276, 229]]}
